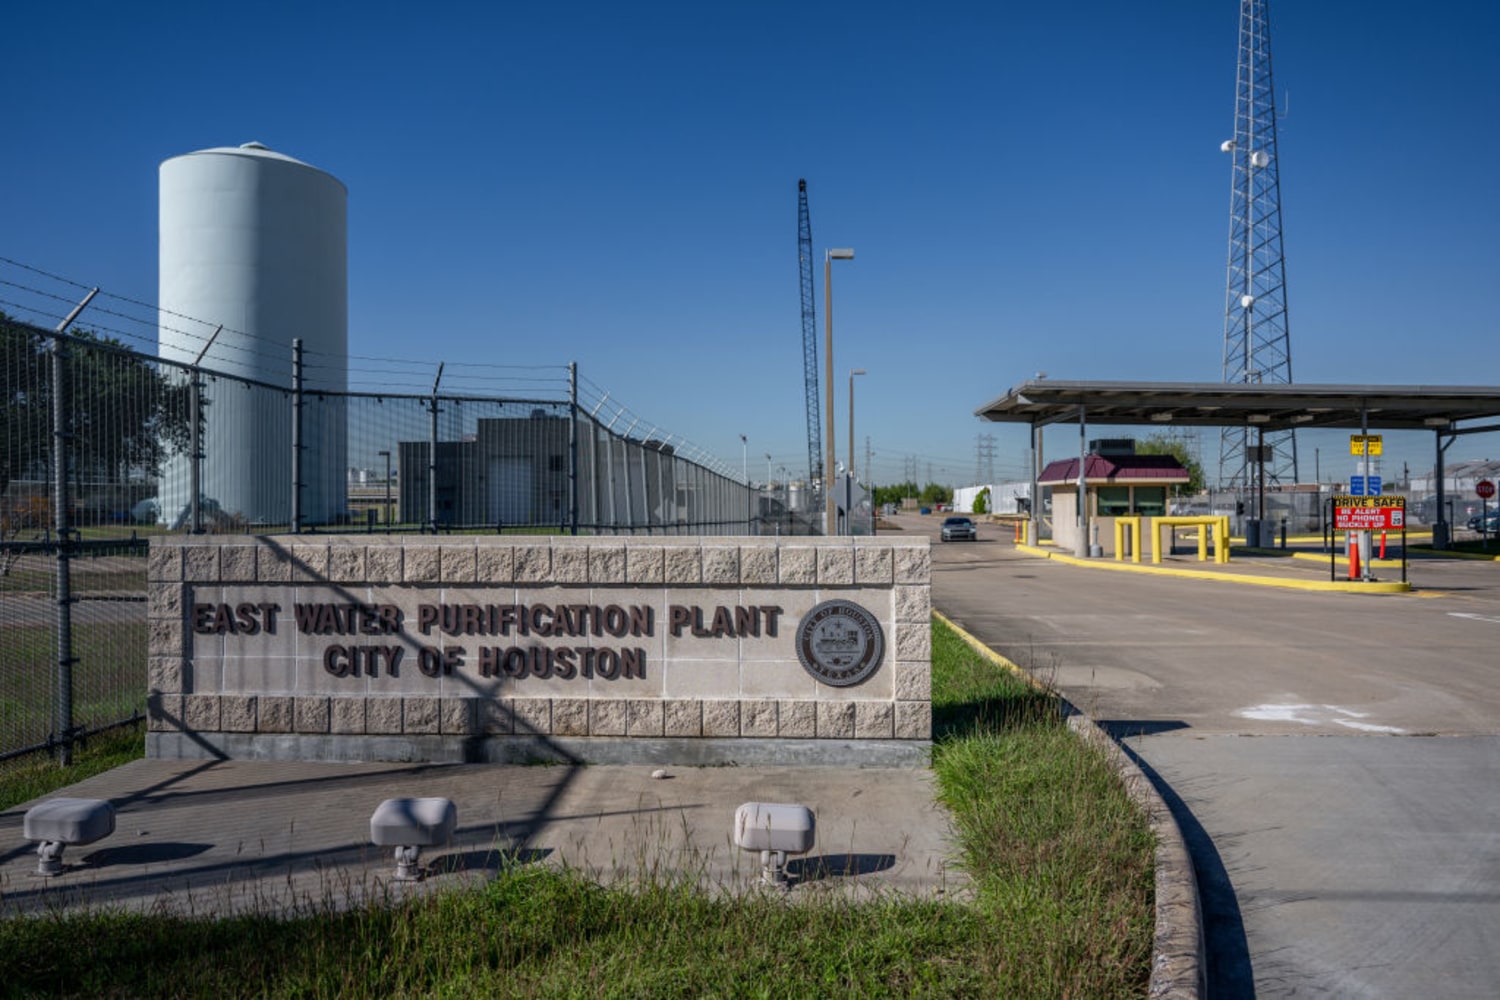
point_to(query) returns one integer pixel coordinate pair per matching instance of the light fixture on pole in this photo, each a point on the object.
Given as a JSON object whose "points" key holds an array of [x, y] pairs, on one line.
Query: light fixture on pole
{"points": [[849, 488], [831, 517]]}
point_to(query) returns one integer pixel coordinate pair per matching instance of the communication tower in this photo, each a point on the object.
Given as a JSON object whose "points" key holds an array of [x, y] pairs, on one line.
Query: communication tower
{"points": [[809, 348], [1257, 345]]}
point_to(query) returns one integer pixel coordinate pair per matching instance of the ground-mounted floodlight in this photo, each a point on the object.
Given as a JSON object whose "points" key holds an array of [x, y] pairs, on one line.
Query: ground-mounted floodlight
{"points": [[59, 822], [409, 825], [775, 830]]}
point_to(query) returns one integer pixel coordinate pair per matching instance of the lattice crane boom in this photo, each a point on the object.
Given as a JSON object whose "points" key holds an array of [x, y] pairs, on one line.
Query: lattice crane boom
{"points": [[809, 342]]}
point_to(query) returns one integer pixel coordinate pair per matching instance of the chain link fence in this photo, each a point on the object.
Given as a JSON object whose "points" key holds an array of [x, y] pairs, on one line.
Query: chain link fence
{"points": [[102, 446]]}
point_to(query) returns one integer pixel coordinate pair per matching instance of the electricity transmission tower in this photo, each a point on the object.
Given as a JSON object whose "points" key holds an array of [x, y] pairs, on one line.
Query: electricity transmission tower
{"points": [[1257, 346], [809, 348], [984, 459]]}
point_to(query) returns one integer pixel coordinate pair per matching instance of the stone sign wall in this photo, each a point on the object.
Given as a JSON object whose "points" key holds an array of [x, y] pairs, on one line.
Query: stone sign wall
{"points": [[610, 650]]}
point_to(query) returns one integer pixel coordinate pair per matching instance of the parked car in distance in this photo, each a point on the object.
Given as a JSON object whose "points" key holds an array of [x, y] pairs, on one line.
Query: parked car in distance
{"points": [[1486, 522], [956, 528]]}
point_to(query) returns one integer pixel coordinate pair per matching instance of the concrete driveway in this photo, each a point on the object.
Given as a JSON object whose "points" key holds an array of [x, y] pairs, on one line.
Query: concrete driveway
{"points": [[1333, 759]]}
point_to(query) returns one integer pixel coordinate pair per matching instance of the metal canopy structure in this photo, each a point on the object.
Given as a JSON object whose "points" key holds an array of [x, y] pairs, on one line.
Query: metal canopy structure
{"points": [[1450, 411], [1273, 407]]}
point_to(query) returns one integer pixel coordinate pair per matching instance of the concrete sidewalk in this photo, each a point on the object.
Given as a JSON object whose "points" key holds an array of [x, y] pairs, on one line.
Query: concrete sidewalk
{"points": [[219, 837]]}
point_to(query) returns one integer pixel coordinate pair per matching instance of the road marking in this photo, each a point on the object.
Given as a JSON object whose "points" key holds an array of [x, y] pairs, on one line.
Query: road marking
{"points": [[1477, 618], [1313, 715]]}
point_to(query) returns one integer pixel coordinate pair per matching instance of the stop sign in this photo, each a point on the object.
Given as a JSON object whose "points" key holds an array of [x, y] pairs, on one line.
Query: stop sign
{"points": [[1485, 489]]}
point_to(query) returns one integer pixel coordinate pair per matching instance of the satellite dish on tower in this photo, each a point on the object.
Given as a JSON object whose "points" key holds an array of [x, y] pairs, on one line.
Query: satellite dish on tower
{"points": [[1227, 146], [1260, 158]]}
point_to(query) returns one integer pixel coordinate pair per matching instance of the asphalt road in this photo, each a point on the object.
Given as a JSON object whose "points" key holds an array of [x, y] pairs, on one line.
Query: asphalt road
{"points": [[1333, 759]]}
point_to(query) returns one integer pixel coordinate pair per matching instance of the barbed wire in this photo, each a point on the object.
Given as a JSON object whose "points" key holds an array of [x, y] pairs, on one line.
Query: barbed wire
{"points": [[242, 351]]}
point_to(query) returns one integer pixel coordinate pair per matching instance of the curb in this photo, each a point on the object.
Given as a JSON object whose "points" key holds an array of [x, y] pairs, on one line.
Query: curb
{"points": [[1178, 962], [1392, 587]]}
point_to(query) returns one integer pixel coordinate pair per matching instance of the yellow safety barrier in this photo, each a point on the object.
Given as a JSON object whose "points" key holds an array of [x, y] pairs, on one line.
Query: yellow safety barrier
{"points": [[1218, 523], [1133, 522], [1020, 527]]}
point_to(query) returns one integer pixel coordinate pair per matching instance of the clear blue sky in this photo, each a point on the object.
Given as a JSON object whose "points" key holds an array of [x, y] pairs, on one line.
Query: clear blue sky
{"points": [[1027, 186]]}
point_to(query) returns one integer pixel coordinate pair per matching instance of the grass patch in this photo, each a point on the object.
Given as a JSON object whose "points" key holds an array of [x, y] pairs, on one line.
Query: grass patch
{"points": [[26, 778], [1059, 858], [109, 678], [36, 576]]}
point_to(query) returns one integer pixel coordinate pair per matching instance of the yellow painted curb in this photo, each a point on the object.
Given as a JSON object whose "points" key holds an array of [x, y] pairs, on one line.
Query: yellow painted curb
{"points": [[987, 652], [1334, 586]]}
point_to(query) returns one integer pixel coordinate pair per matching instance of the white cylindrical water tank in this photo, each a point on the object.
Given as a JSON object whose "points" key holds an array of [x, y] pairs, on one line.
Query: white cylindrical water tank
{"points": [[257, 241]]}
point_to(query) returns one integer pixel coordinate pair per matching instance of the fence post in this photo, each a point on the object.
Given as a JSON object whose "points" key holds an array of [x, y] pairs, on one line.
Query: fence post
{"points": [[195, 462], [63, 581], [296, 435], [573, 442], [195, 467], [61, 436], [432, 448]]}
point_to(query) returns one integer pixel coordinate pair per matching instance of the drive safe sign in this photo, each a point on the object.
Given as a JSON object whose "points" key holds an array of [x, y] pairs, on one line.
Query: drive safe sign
{"points": [[1355, 513]]}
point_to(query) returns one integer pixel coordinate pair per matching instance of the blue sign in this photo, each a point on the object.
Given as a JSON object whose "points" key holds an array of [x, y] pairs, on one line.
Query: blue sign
{"points": [[1357, 486], [1372, 483]]}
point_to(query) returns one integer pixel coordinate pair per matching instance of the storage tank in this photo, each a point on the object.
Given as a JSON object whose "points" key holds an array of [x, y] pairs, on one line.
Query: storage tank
{"points": [[257, 241]]}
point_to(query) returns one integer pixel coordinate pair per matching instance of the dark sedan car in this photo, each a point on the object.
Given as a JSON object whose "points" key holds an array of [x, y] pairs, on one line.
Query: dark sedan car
{"points": [[1489, 522], [956, 528]]}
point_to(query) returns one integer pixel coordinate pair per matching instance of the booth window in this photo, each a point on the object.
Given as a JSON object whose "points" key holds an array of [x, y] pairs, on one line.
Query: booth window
{"points": [[1113, 501], [1151, 501], [1118, 501]]}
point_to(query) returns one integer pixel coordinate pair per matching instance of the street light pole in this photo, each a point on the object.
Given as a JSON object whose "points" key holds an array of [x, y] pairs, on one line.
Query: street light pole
{"points": [[849, 490], [831, 515]]}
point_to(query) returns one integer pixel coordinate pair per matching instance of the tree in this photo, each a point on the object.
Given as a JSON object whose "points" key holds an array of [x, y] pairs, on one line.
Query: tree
{"points": [[982, 501], [934, 493], [24, 394], [125, 414], [894, 493], [1160, 444]]}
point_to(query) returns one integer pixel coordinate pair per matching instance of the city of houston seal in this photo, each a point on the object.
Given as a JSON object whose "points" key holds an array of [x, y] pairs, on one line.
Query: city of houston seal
{"points": [[840, 643]]}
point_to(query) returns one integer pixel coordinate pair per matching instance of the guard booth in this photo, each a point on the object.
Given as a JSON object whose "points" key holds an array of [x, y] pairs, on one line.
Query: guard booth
{"points": [[1116, 483]]}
